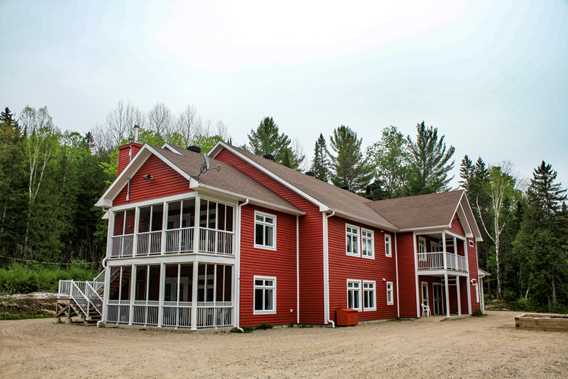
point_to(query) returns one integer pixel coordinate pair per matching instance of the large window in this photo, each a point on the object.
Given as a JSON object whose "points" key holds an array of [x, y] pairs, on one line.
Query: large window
{"points": [[264, 295], [264, 231], [388, 245], [368, 243], [352, 240], [354, 294], [390, 293], [369, 295]]}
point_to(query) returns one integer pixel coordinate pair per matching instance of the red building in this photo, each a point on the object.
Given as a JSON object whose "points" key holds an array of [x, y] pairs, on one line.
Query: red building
{"points": [[234, 239]]}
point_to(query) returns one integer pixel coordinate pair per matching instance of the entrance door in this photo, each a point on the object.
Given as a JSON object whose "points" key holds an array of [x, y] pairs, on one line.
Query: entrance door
{"points": [[425, 296], [438, 299]]}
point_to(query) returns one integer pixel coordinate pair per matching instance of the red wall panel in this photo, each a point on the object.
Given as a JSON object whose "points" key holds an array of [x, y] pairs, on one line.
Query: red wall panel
{"points": [[406, 275], [457, 226], [473, 271], [165, 182], [280, 263], [311, 239], [382, 269]]}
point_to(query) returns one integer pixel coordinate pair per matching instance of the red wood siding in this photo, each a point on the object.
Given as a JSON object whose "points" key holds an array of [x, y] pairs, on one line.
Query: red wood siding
{"points": [[381, 269], [125, 154], [165, 182], [311, 240], [280, 264], [406, 275], [457, 226], [473, 272]]}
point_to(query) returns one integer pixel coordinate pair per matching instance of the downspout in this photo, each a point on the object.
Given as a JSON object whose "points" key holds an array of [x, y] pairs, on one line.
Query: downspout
{"points": [[326, 318], [238, 268], [297, 269], [396, 274]]}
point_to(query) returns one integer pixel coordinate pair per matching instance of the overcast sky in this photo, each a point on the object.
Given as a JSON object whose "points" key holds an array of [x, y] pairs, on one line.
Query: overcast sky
{"points": [[491, 75]]}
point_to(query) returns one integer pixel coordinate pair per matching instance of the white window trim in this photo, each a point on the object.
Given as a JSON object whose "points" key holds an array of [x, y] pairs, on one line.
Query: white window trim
{"points": [[391, 290], [360, 293], [274, 297], [358, 229], [388, 252], [422, 257], [372, 256], [274, 225], [374, 283]]}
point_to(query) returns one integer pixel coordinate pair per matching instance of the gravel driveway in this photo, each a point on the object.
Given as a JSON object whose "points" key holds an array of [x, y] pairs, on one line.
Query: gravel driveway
{"points": [[472, 347]]}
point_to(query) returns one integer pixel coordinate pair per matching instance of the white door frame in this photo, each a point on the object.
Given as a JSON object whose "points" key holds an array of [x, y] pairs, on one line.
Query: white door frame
{"points": [[440, 302], [427, 297]]}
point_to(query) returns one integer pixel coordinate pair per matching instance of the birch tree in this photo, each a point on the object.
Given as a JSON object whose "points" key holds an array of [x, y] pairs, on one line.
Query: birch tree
{"points": [[39, 147], [187, 125], [500, 189]]}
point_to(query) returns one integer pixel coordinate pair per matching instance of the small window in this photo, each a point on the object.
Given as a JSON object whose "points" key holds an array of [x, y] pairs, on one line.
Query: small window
{"points": [[264, 231], [369, 296], [352, 240], [264, 295], [354, 294], [367, 243], [388, 245], [390, 294], [422, 249]]}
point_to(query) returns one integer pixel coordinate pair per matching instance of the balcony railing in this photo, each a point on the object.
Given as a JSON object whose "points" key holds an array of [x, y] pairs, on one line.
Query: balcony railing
{"points": [[177, 241], [432, 261]]}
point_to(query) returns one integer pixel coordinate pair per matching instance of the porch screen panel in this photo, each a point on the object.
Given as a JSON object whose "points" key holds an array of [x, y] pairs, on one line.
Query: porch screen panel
{"points": [[144, 221], [188, 216], [141, 283], [174, 210], [185, 290], [157, 211], [114, 289], [153, 295], [129, 224], [118, 223]]}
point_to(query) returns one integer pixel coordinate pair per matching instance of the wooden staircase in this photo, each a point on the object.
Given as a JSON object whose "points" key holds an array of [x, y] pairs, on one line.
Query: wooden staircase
{"points": [[82, 299]]}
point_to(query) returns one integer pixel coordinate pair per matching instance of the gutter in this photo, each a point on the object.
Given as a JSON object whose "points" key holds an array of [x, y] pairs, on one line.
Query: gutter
{"points": [[325, 224]]}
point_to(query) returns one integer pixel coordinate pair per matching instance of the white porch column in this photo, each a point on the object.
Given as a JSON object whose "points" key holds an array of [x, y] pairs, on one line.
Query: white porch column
{"points": [[194, 296], [456, 253], [444, 255], [136, 227], [447, 289], [164, 227], [132, 293], [110, 232], [458, 295], [468, 284], [414, 242], [161, 294], [196, 228], [106, 293], [481, 295]]}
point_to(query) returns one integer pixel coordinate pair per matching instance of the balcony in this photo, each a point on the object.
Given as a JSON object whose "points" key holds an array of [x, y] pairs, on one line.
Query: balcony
{"points": [[434, 261], [188, 226]]}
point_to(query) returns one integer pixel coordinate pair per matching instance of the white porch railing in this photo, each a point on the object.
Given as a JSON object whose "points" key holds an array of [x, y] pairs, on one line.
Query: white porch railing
{"points": [[211, 315], [118, 311], [145, 313], [432, 261], [215, 241], [149, 243], [179, 240], [122, 246], [177, 314]]}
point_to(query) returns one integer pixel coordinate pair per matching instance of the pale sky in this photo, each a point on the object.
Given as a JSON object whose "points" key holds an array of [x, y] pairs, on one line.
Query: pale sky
{"points": [[491, 75]]}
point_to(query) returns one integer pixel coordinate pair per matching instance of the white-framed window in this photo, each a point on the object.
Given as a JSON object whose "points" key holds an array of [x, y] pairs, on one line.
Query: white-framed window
{"points": [[367, 243], [422, 249], [264, 297], [264, 231], [354, 294], [435, 246], [388, 245], [390, 293], [369, 295], [352, 240]]}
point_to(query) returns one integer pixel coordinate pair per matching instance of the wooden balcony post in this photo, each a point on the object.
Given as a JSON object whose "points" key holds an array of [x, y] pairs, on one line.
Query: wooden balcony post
{"points": [[161, 294], [196, 236], [164, 227], [445, 255], [194, 296], [132, 293], [110, 233], [136, 227], [447, 289], [456, 254]]}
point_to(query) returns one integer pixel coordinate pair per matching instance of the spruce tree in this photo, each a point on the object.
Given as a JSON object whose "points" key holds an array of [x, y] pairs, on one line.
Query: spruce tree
{"points": [[544, 192], [467, 171], [430, 161], [350, 169], [267, 139], [320, 164]]}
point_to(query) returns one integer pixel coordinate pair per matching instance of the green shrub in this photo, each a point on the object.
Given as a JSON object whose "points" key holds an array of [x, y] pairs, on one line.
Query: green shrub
{"points": [[18, 278]]}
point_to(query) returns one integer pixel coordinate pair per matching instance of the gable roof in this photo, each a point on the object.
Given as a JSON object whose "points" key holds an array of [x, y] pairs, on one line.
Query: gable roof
{"points": [[327, 196], [221, 178], [434, 210]]}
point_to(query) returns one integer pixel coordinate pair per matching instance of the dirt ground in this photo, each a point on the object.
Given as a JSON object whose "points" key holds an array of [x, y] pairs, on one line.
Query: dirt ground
{"points": [[472, 347]]}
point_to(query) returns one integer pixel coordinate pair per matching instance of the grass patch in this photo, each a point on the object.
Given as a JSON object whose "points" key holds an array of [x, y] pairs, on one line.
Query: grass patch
{"points": [[18, 278], [23, 315]]}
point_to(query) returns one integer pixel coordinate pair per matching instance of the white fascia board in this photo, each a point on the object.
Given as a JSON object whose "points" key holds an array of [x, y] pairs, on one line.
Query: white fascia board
{"points": [[364, 221], [455, 210], [424, 228], [171, 148], [213, 153], [477, 233], [197, 186]]}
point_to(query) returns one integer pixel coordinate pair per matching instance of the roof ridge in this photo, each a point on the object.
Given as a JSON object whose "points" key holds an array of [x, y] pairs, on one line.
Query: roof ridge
{"points": [[416, 196]]}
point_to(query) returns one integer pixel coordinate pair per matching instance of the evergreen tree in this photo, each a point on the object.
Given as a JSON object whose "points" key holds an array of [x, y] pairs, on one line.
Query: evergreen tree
{"points": [[389, 158], [320, 164], [467, 172], [544, 192], [268, 140], [430, 161], [350, 170]]}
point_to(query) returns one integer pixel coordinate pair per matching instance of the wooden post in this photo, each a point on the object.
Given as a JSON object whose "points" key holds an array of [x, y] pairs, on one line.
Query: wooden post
{"points": [[447, 293], [444, 255], [196, 228], [468, 284], [136, 227], [164, 227], [194, 296], [161, 294], [132, 292]]}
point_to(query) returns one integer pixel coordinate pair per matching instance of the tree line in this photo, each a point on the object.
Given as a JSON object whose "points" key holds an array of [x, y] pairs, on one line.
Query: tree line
{"points": [[50, 180]]}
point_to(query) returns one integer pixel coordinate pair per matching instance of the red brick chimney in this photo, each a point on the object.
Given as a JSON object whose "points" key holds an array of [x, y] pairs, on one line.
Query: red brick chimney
{"points": [[127, 152]]}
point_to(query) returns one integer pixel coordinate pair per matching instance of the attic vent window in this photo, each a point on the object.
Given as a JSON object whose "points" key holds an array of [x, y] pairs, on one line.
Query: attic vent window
{"points": [[148, 177]]}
